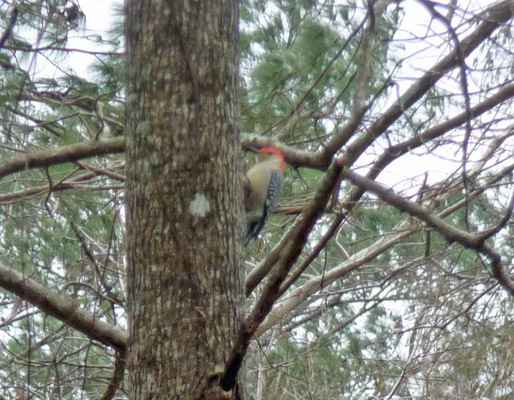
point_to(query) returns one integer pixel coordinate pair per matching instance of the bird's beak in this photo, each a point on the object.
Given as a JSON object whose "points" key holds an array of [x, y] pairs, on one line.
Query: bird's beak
{"points": [[252, 149]]}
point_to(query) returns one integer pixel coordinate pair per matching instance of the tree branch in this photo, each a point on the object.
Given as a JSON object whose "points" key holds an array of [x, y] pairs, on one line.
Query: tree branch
{"points": [[63, 308], [71, 153], [471, 241], [118, 373], [10, 26], [494, 17]]}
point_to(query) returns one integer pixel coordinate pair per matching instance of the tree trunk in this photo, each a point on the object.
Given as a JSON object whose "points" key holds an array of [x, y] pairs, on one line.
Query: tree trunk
{"points": [[184, 205]]}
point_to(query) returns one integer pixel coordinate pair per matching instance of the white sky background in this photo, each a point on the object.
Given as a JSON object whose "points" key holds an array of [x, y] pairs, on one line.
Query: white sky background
{"points": [[99, 18], [98, 22]]}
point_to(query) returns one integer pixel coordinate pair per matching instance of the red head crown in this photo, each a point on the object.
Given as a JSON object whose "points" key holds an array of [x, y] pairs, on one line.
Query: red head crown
{"points": [[273, 151]]}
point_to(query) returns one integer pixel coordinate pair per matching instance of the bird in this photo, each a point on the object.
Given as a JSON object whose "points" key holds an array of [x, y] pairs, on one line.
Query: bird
{"points": [[263, 189]]}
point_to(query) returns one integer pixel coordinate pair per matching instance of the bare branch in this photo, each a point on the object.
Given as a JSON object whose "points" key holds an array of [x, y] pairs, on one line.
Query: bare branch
{"points": [[117, 375], [10, 26], [471, 241], [63, 308], [313, 254], [71, 153]]}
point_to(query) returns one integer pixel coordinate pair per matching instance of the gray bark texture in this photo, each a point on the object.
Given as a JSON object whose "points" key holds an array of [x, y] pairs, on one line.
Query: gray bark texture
{"points": [[183, 196]]}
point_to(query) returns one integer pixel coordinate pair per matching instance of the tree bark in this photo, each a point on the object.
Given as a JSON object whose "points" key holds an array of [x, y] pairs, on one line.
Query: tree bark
{"points": [[183, 196]]}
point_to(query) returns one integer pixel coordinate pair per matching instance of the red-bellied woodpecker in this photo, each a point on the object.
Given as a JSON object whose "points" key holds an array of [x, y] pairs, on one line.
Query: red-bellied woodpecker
{"points": [[262, 190]]}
